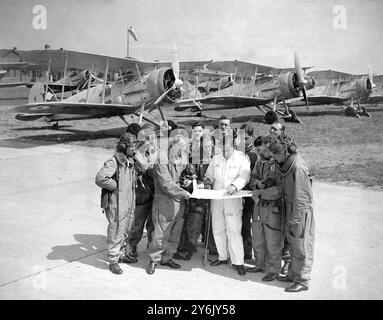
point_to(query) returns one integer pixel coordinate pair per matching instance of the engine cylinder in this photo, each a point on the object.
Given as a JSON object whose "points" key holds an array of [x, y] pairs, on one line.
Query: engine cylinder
{"points": [[364, 87], [289, 85]]}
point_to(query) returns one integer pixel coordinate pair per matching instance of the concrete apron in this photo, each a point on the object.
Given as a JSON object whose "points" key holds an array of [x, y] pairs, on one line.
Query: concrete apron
{"points": [[53, 243]]}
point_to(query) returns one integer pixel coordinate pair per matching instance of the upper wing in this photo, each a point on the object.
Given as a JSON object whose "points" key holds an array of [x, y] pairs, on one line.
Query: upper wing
{"points": [[83, 60], [240, 67], [184, 65], [79, 60], [329, 75], [247, 68], [76, 108]]}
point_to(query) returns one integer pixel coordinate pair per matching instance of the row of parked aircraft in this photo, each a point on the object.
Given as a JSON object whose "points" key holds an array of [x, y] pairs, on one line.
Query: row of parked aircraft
{"points": [[97, 86]]}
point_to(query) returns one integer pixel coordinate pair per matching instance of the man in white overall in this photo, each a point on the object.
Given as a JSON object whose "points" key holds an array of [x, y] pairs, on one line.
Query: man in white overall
{"points": [[229, 169]]}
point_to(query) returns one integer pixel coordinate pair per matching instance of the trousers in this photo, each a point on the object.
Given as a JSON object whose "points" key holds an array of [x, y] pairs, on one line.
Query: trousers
{"points": [[227, 233]]}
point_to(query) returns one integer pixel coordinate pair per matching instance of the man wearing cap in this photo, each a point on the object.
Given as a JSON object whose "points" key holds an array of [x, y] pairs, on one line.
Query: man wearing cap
{"points": [[117, 178], [145, 157], [299, 225], [228, 170], [168, 203], [197, 209], [278, 129], [252, 152], [267, 225]]}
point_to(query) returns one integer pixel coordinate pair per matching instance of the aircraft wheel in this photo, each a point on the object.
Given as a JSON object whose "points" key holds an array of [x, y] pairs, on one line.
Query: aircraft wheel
{"points": [[134, 128], [172, 124], [55, 126], [350, 112], [292, 117], [365, 112], [199, 114], [271, 117]]}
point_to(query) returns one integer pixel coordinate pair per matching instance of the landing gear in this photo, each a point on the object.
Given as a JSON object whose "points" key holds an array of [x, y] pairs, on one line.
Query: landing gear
{"points": [[292, 117], [55, 126], [351, 112], [362, 111], [271, 117]]}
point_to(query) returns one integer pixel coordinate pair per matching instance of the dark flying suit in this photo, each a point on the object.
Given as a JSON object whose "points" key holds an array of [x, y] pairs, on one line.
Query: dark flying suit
{"points": [[248, 209], [143, 212], [196, 208], [146, 155], [168, 207], [267, 226], [300, 227], [117, 179]]}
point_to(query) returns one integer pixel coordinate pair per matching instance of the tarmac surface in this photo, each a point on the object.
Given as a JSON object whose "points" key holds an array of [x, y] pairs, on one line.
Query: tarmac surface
{"points": [[53, 243]]}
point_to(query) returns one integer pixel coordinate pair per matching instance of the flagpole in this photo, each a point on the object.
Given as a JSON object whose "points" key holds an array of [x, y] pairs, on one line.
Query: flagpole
{"points": [[127, 42], [130, 32]]}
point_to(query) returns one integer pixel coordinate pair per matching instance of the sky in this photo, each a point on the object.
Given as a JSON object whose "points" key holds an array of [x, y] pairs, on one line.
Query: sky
{"points": [[341, 35]]}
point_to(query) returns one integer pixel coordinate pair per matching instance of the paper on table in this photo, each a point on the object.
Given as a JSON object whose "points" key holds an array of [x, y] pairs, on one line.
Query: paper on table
{"points": [[217, 194]]}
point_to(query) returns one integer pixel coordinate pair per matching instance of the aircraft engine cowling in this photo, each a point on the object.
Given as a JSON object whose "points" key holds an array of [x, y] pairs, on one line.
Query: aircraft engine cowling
{"points": [[151, 87], [159, 81], [364, 87], [80, 78], [289, 85]]}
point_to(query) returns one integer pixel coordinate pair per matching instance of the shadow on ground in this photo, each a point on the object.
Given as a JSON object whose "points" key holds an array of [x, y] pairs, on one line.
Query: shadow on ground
{"points": [[197, 263], [58, 136], [88, 246], [90, 249]]}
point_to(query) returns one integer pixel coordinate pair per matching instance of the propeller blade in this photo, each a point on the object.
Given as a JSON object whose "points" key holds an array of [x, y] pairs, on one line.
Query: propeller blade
{"points": [[305, 98], [175, 60], [298, 69], [176, 65], [162, 96], [195, 102], [370, 77]]}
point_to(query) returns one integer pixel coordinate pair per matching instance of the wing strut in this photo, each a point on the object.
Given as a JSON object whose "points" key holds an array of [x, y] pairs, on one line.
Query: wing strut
{"points": [[199, 71], [275, 103], [240, 87], [138, 71], [47, 79], [253, 81], [105, 79], [123, 119], [235, 76], [63, 85], [141, 113], [89, 81], [163, 116]]}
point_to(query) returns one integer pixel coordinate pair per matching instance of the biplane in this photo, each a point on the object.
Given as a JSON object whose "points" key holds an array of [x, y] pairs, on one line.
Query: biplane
{"points": [[340, 88], [136, 86], [259, 86]]}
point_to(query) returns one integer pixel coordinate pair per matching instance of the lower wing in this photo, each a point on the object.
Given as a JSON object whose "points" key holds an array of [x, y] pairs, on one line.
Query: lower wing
{"points": [[80, 108], [312, 100], [12, 84], [234, 101]]}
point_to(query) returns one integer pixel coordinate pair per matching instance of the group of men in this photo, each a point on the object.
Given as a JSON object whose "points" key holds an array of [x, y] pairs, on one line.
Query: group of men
{"points": [[150, 180]]}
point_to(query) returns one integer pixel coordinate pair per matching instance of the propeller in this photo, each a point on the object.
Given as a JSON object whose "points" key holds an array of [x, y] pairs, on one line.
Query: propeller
{"points": [[370, 77], [176, 71], [301, 79]]}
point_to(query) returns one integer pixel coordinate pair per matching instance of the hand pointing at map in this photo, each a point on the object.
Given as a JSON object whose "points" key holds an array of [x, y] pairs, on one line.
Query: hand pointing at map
{"points": [[232, 188]]}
